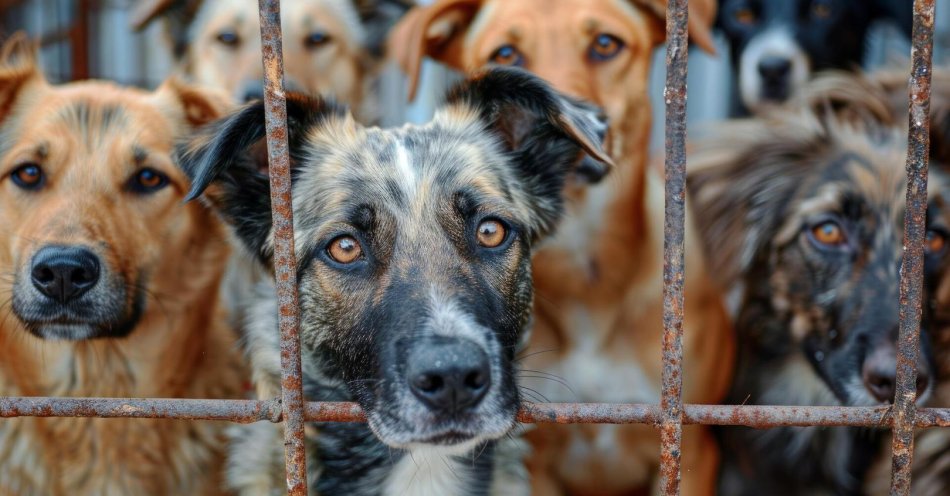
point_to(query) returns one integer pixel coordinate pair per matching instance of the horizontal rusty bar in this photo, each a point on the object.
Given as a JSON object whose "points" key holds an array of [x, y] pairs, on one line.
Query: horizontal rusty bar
{"points": [[245, 411]]}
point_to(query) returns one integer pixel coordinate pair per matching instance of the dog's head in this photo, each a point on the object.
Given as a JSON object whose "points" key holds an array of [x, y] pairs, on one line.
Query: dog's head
{"points": [[599, 51], [90, 199], [806, 211], [413, 243], [777, 44], [329, 46]]}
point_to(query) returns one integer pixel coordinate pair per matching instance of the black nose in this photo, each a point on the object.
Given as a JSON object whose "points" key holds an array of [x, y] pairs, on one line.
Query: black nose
{"points": [[449, 376], [879, 373], [775, 69], [64, 273], [253, 92]]}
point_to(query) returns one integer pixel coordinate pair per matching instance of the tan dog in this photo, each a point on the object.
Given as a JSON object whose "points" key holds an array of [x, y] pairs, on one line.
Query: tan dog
{"points": [[331, 47], [110, 285], [599, 282]]}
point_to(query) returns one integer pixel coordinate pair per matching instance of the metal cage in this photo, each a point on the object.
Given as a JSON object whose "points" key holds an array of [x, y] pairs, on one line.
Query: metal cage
{"points": [[903, 417]]}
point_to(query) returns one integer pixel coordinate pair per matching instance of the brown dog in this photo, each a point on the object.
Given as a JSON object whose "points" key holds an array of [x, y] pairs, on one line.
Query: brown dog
{"points": [[331, 47], [110, 285], [598, 311]]}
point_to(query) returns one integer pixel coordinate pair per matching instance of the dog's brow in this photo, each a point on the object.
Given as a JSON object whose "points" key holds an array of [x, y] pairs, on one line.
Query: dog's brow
{"points": [[139, 154]]}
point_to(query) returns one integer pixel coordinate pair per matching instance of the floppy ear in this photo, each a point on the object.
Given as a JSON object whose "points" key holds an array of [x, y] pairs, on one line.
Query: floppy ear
{"points": [[195, 105], [543, 131], [378, 18], [740, 185], [176, 15], [435, 31], [18, 66], [227, 163], [702, 16]]}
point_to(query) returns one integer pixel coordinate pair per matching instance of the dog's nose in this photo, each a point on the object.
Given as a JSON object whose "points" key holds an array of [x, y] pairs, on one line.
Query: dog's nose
{"points": [[64, 273], [775, 68], [253, 92], [450, 376], [879, 373]]}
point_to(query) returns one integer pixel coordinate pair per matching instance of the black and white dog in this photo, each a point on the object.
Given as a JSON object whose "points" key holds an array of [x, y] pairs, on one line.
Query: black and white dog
{"points": [[777, 44], [414, 248]]}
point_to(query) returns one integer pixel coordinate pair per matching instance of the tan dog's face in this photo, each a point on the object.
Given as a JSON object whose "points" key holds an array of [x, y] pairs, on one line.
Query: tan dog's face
{"points": [[322, 44], [92, 216], [595, 50]]}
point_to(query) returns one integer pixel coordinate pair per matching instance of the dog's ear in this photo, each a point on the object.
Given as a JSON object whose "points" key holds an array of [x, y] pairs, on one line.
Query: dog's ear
{"points": [[195, 105], [543, 132], [18, 67], [741, 184], [435, 31], [702, 17], [378, 18], [176, 16], [227, 164], [901, 12]]}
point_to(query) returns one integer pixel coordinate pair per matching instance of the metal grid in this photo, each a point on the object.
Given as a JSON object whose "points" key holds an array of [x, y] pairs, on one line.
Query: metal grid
{"points": [[670, 415]]}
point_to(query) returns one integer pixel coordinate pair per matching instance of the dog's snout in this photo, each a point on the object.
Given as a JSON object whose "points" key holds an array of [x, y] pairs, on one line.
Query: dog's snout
{"points": [[253, 91], [449, 377], [775, 69], [879, 373], [64, 273]]}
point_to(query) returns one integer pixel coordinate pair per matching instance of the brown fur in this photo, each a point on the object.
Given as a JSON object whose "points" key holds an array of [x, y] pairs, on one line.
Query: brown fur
{"points": [[179, 347], [599, 307]]}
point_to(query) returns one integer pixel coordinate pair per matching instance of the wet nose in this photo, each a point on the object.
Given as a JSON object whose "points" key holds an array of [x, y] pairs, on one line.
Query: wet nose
{"points": [[879, 373], [775, 69], [591, 169], [253, 91], [64, 273], [449, 376]]}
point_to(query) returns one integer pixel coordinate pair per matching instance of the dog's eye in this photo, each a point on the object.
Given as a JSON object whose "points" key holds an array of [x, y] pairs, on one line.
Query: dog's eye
{"points": [[316, 39], [821, 9], [345, 250], [229, 38], [28, 176], [147, 181], [605, 47], [507, 55], [491, 233], [745, 16], [828, 233], [936, 242]]}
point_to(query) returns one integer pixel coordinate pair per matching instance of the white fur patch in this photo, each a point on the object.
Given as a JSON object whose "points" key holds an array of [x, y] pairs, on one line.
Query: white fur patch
{"points": [[775, 42], [429, 471]]}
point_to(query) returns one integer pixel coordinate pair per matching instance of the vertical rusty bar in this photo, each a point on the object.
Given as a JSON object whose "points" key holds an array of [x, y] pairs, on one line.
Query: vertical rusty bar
{"points": [[674, 94], [285, 271], [911, 286], [79, 41]]}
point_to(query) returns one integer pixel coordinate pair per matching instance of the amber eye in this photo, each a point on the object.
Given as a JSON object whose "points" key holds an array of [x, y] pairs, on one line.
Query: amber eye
{"points": [[228, 38], [828, 233], [821, 10], [345, 250], [147, 181], [28, 176], [491, 233], [316, 39], [507, 55], [745, 16], [936, 241], [605, 47]]}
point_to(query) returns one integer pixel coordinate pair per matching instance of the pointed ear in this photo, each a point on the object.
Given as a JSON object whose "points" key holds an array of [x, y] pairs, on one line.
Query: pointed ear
{"points": [[435, 31], [378, 18], [545, 133], [176, 16], [196, 105], [702, 16], [18, 67], [227, 164]]}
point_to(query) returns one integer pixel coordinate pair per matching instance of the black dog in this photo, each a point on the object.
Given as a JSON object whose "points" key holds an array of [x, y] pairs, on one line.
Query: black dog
{"points": [[777, 44]]}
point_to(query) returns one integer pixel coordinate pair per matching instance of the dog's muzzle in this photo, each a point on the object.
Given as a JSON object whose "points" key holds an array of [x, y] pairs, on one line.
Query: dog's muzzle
{"points": [[64, 273], [448, 375]]}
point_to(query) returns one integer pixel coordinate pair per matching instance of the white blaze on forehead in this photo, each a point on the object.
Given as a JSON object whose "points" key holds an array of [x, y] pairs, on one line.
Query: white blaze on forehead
{"points": [[773, 42], [407, 174], [447, 319]]}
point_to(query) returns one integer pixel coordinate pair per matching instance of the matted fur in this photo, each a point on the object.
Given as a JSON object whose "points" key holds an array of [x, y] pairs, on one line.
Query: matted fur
{"points": [[806, 327], [89, 139], [500, 148], [599, 311]]}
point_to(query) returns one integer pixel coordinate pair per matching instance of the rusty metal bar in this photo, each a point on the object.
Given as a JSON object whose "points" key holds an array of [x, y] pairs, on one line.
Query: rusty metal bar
{"points": [[674, 94], [285, 262], [912, 272], [245, 411]]}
